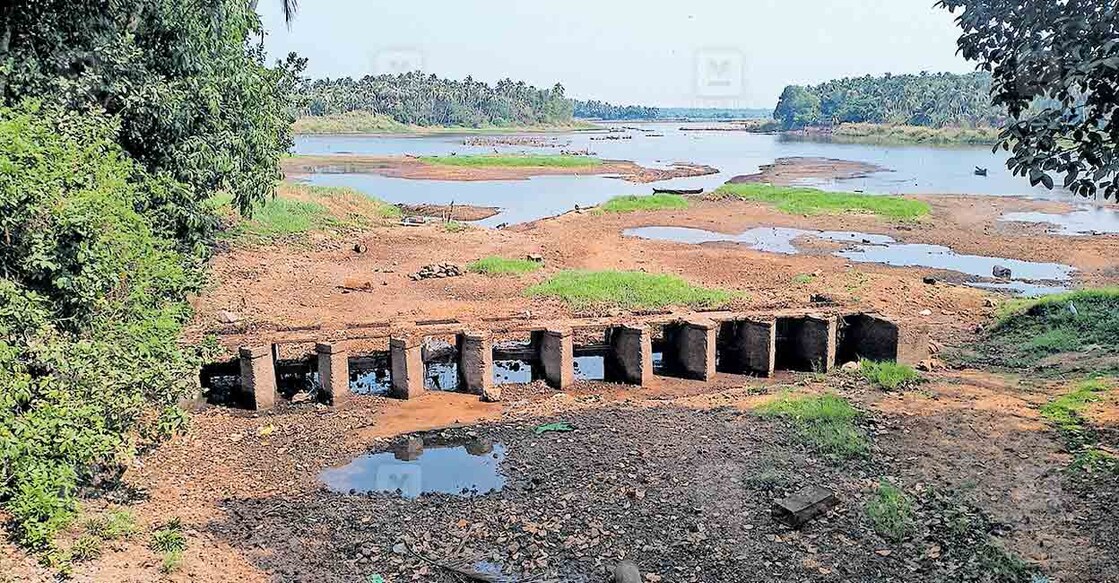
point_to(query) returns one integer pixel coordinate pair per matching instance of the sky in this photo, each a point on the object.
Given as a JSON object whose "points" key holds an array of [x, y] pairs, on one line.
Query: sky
{"points": [[684, 53]]}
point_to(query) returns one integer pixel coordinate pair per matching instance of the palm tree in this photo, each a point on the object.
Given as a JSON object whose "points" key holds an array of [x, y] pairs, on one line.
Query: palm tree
{"points": [[290, 6]]}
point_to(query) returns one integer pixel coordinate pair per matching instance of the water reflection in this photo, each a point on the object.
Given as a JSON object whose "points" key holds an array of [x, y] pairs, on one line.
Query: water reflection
{"points": [[412, 469]]}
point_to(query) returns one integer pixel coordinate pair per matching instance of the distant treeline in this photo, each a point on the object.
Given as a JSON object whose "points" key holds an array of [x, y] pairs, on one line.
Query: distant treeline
{"points": [[426, 100], [930, 100], [595, 109]]}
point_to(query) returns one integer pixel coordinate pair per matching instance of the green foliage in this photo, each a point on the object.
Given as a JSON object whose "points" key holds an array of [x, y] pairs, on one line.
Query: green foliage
{"points": [[86, 548], [185, 79], [595, 109], [172, 561], [655, 202], [115, 525], [494, 265], [515, 161], [1056, 70], [908, 134], [168, 538], [1078, 325], [824, 422], [350, 122], [889, 376], [92, 300], [1066, 414], [426, 100], [804, 278], [455, 227], [299, 209], [938, 100], [627, 290], [810, 201], [891, 512]]}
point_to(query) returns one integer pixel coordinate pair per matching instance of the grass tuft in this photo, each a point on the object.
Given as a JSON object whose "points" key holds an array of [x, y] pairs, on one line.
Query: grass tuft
{"points": [[889, 376], [455, 227], [515, 161], [86, 548], [1066, 413], [627, 290], [811, 201], [891, 512], [168, 538], [824, 422], [298, 209], [115, 525], [633, 203], [494, 265]]}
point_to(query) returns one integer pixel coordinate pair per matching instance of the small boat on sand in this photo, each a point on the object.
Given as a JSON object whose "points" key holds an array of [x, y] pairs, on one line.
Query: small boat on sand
{"points": [[677, 191]]}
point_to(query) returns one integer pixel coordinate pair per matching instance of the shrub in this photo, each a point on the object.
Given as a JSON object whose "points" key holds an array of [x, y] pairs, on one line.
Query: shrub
{"points": [[891, 512], [889, 376], [92, 301]]}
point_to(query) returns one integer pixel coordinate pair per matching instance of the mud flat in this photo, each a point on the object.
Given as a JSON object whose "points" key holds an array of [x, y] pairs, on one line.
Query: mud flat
{"points": [[418, 169], [799, 170]]}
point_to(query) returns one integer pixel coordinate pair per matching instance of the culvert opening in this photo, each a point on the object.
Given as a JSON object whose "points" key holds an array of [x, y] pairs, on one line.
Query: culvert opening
{"points": [[666, 351], [864, 336], [221, 385], [802, 344], [516, 362], [295, 376], [441, 371], [371, 374], [594, 358]]}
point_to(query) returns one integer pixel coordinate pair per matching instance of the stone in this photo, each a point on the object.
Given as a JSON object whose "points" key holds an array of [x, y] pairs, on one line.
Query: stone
{"points": [[804, 505], [227, 317], [926, 312], [851, 366], [929, 280], [1001, 272], [535, 258], [491, 394], [360, 248], [627, 572]]}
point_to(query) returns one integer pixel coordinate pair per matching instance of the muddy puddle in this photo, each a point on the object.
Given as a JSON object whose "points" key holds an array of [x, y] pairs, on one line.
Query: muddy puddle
{"points": [[1086, 220], [413, 468], [884, 250], [516, 363]]}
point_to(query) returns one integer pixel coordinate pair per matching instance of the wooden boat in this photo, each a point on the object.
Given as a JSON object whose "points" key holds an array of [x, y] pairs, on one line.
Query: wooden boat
{"points": [[677, 191]]}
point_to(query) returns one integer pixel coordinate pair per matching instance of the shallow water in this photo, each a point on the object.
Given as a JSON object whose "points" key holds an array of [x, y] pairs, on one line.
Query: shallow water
{"points": [[1086, 220], [413, 469], [870, 248], [371, 375], [914, 169]]}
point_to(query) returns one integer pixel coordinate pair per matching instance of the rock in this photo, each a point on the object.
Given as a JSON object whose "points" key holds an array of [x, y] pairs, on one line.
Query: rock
{"points": [[627, 572], [804, 505], [851, 366], [989, 303], [536, 258], [360, 248], [227, 317], [491, 394], [930, 364], [929, 280], [1001, 272], [821, 299], [926, 312]]}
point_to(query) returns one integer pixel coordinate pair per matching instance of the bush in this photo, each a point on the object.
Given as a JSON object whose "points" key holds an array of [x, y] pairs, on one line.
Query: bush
{"points": [[92, 301]]}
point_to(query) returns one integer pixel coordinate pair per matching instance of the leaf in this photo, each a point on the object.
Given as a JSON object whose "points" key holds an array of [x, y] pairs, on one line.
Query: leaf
{"points": [[561, 426]]}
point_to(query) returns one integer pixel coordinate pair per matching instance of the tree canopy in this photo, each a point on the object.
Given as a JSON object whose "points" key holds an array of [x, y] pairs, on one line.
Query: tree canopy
{"points": [[1055, 68], [931, 100]]}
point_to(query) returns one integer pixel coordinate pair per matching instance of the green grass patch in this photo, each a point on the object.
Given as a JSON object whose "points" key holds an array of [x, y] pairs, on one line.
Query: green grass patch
{"points": [[1066, 414], [907, 134], [299, 209], [515, 161], [889, 376], [494, 265], [627, 290], [804, 279], [86, 548], [810, 201], [1074, 332], [353, 122], [455, 227], [824, 422], [168, 538], [632, 203], [115, 525], [891, 512]]}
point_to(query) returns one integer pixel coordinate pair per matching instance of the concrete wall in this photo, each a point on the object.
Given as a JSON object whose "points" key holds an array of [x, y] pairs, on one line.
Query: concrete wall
{"points": [[406, 357], [475, 350], [334, 372], [695, 349], [258, 376], [806, 343]]}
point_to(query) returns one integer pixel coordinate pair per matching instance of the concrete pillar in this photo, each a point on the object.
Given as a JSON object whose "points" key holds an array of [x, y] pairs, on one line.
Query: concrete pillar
{"points": [[557, 357], [334, 372], [696, 349], [817, 342], [258, 376], [475, 353], [633, 354], [406, 360], [751, 347]]}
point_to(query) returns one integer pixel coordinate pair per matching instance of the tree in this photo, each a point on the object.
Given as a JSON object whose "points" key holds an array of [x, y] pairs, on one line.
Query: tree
{"points": [[797, 107], [1055, 65]]}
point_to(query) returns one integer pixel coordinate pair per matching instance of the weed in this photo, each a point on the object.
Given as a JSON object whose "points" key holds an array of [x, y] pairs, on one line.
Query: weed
{"points": [[810, 201], [494, 265], [515, 161], [631, 203], [891, 512], [627, 290], [455, 227], [115, 525], [804, 279], [824, 422], [168, 538], [767, 479], [86, 548], [889, 376], [1066, 414], [172, 562]]}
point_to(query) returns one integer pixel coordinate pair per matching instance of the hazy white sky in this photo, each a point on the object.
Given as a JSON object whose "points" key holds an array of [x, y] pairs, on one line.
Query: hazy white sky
{"points": [[704, 53]]}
